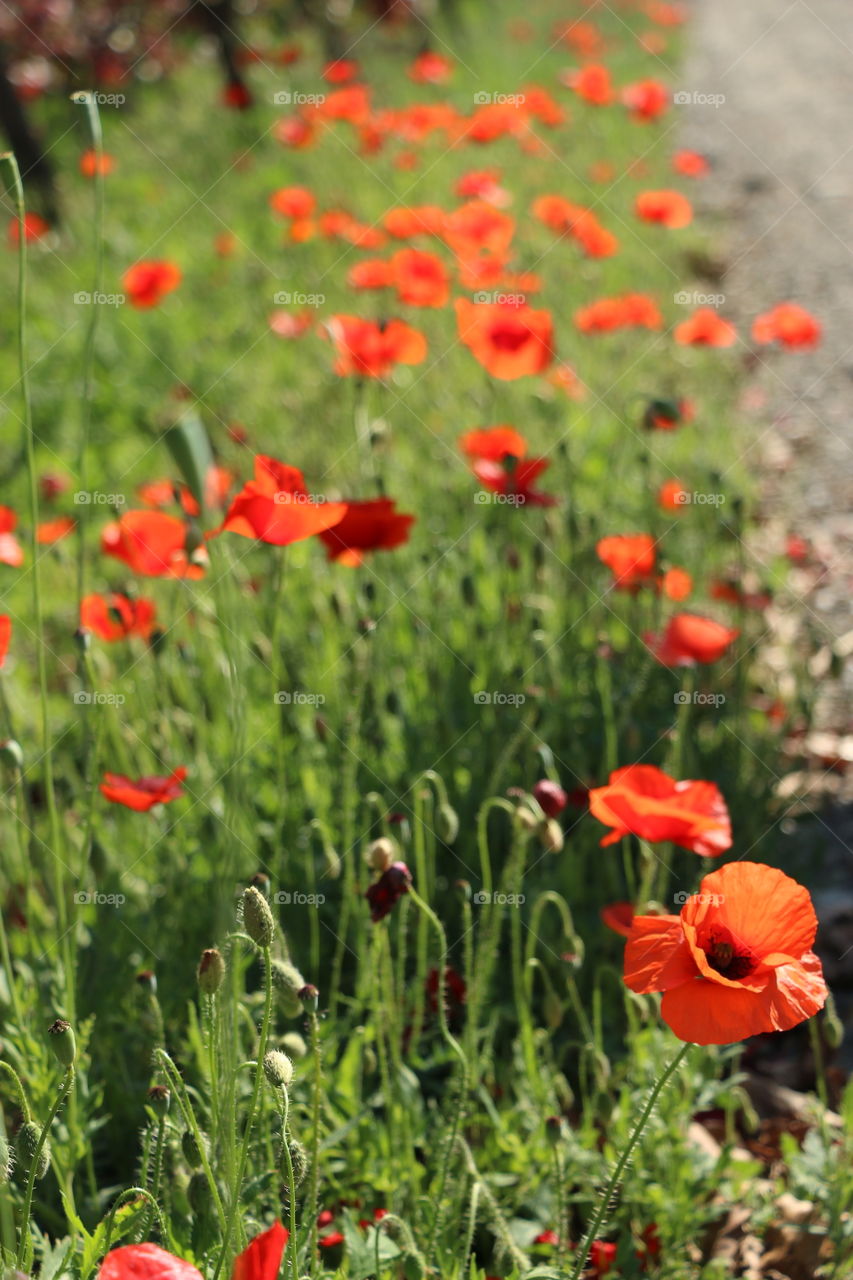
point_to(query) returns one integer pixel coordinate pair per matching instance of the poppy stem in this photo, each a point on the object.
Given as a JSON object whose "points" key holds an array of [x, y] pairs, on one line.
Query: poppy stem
{"points": [[25, 1247], [621, 1164], [311, 1202]]}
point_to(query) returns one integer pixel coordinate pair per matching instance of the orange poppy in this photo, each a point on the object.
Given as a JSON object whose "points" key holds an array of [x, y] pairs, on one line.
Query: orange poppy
{"points": [[368, 350], [35, 228], [367, 526], [340, 71], [419, 220], [430, 68], [91, 163], [483, 184], [670, 208], [618, 916], [493, 443], [689, 638], [630, 558], [539, 103], [476, 226], [293, 202], [5, 636], [676, 584], [421, 279], [510, 342], [153, 544], [690, 164], [50, 531], [11, 551], [737, 961], [144, 793], [705, 329], [277, 508], [789, 324], [481, 271], [371, 273], [646, 99], [115, 617], [631, 310], [147, 283], [641, 800], [592, 83], [672, 496], [351, 104]]}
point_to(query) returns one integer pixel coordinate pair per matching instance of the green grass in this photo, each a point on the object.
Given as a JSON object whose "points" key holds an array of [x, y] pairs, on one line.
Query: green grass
{"points": [[481, 598]]}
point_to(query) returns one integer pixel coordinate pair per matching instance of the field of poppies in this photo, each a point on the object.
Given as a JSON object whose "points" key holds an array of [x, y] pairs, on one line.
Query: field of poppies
{"points": [[393, 873]]}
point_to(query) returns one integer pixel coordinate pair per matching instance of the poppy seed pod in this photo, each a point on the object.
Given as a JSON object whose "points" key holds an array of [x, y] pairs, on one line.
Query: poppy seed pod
{"points": [[257, 918], [158, 1098], [554, 1130], [551, 836], [278, 1069], [379, 854], [309, 995], [11, 753], [211, 971], [26, 1145], [289, 981], [62, 1042]]}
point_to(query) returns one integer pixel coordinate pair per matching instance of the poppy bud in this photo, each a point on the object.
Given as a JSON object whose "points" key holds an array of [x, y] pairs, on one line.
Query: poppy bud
{"points": [[147, 980], [198, 1194], [83, 639], [191, 1149], [380, 854], [211, 971], [11, 753], [833, 1028], [257, 918], [278, 1069], [526, 818], [309, 995], [298, 1160], [552, 1007], [550, 797], [158, 1098], [290, 982], [447, 822], [26, 1145], [62, 1042], [551, 836], [554, 1130], [463, 888], [294, 1045], [5, 1157], [261, 881]]}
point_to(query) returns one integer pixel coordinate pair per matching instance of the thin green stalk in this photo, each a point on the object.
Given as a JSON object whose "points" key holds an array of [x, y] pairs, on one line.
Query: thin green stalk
{"points": [[179, 1089], [25, 1247], [311, 1206]]}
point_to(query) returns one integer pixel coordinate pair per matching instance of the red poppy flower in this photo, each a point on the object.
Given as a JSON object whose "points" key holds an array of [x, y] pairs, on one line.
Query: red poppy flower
{"points": [[618, 916], [430, 68], [646, 99], [419, 220], [672, 496], [510, 342], [145, 1262], [478, 225], [670, 208], [495, 120], [293, 202], [295, 132], [237, 96], [630, 558], [421, 278], [261, 1260], [539, 104], [480, 270], [142, 794], [147, 283], [556, 212], [368, 350], [92, 164], [340, 71], [666, 415], [371, 273], [602, 1255], [789, 324], [690, 164], [386, 892], [329, 1240], [736, 962], [595, 240], [493, 443], [351, 103], [153, 544], [290, 324], [631, 310], [705, 329], [50, 531], [676, 584], [5, 636], [564, 377], [115, 617], [367, 526], [11, 551], [483, 184], [35, 228], [547, 1237], [277, 508], [641, 800], [689, 638], [516, 479], [592, 83]]}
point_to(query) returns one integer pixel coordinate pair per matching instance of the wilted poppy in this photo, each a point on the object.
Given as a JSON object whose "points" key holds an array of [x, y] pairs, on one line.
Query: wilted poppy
{"points": [[629, 557], [115, 617], [154, 544], [641, 800], [736, 962], [277, 508], [509, 341], [143, 793], [670, 208], [386, 892], [705, 329], [261, 1260], [789, 324], [689, 638], [147, 283], [368, 350], [421, 279], [367, 526]]}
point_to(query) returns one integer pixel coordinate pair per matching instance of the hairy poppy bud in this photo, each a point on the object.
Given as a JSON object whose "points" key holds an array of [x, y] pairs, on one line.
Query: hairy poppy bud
{"points": [[278, 1069], [298, 1160], [309, 995], [287, 978], [26, 1145], [198, 1194], [158, 1098], [380, 853], [463, 888], [261, 881], [257, 917], [62, 1042], [147, 980], [447, 823], [554, 1130], [11, 753], [211, 971], [551, 836], [5, 1156], [294, 1045], [191, 1149], [550, 797]]}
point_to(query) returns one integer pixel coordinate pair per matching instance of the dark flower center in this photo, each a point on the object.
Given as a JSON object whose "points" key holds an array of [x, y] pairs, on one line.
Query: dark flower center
{"points": [[732, 959]]}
